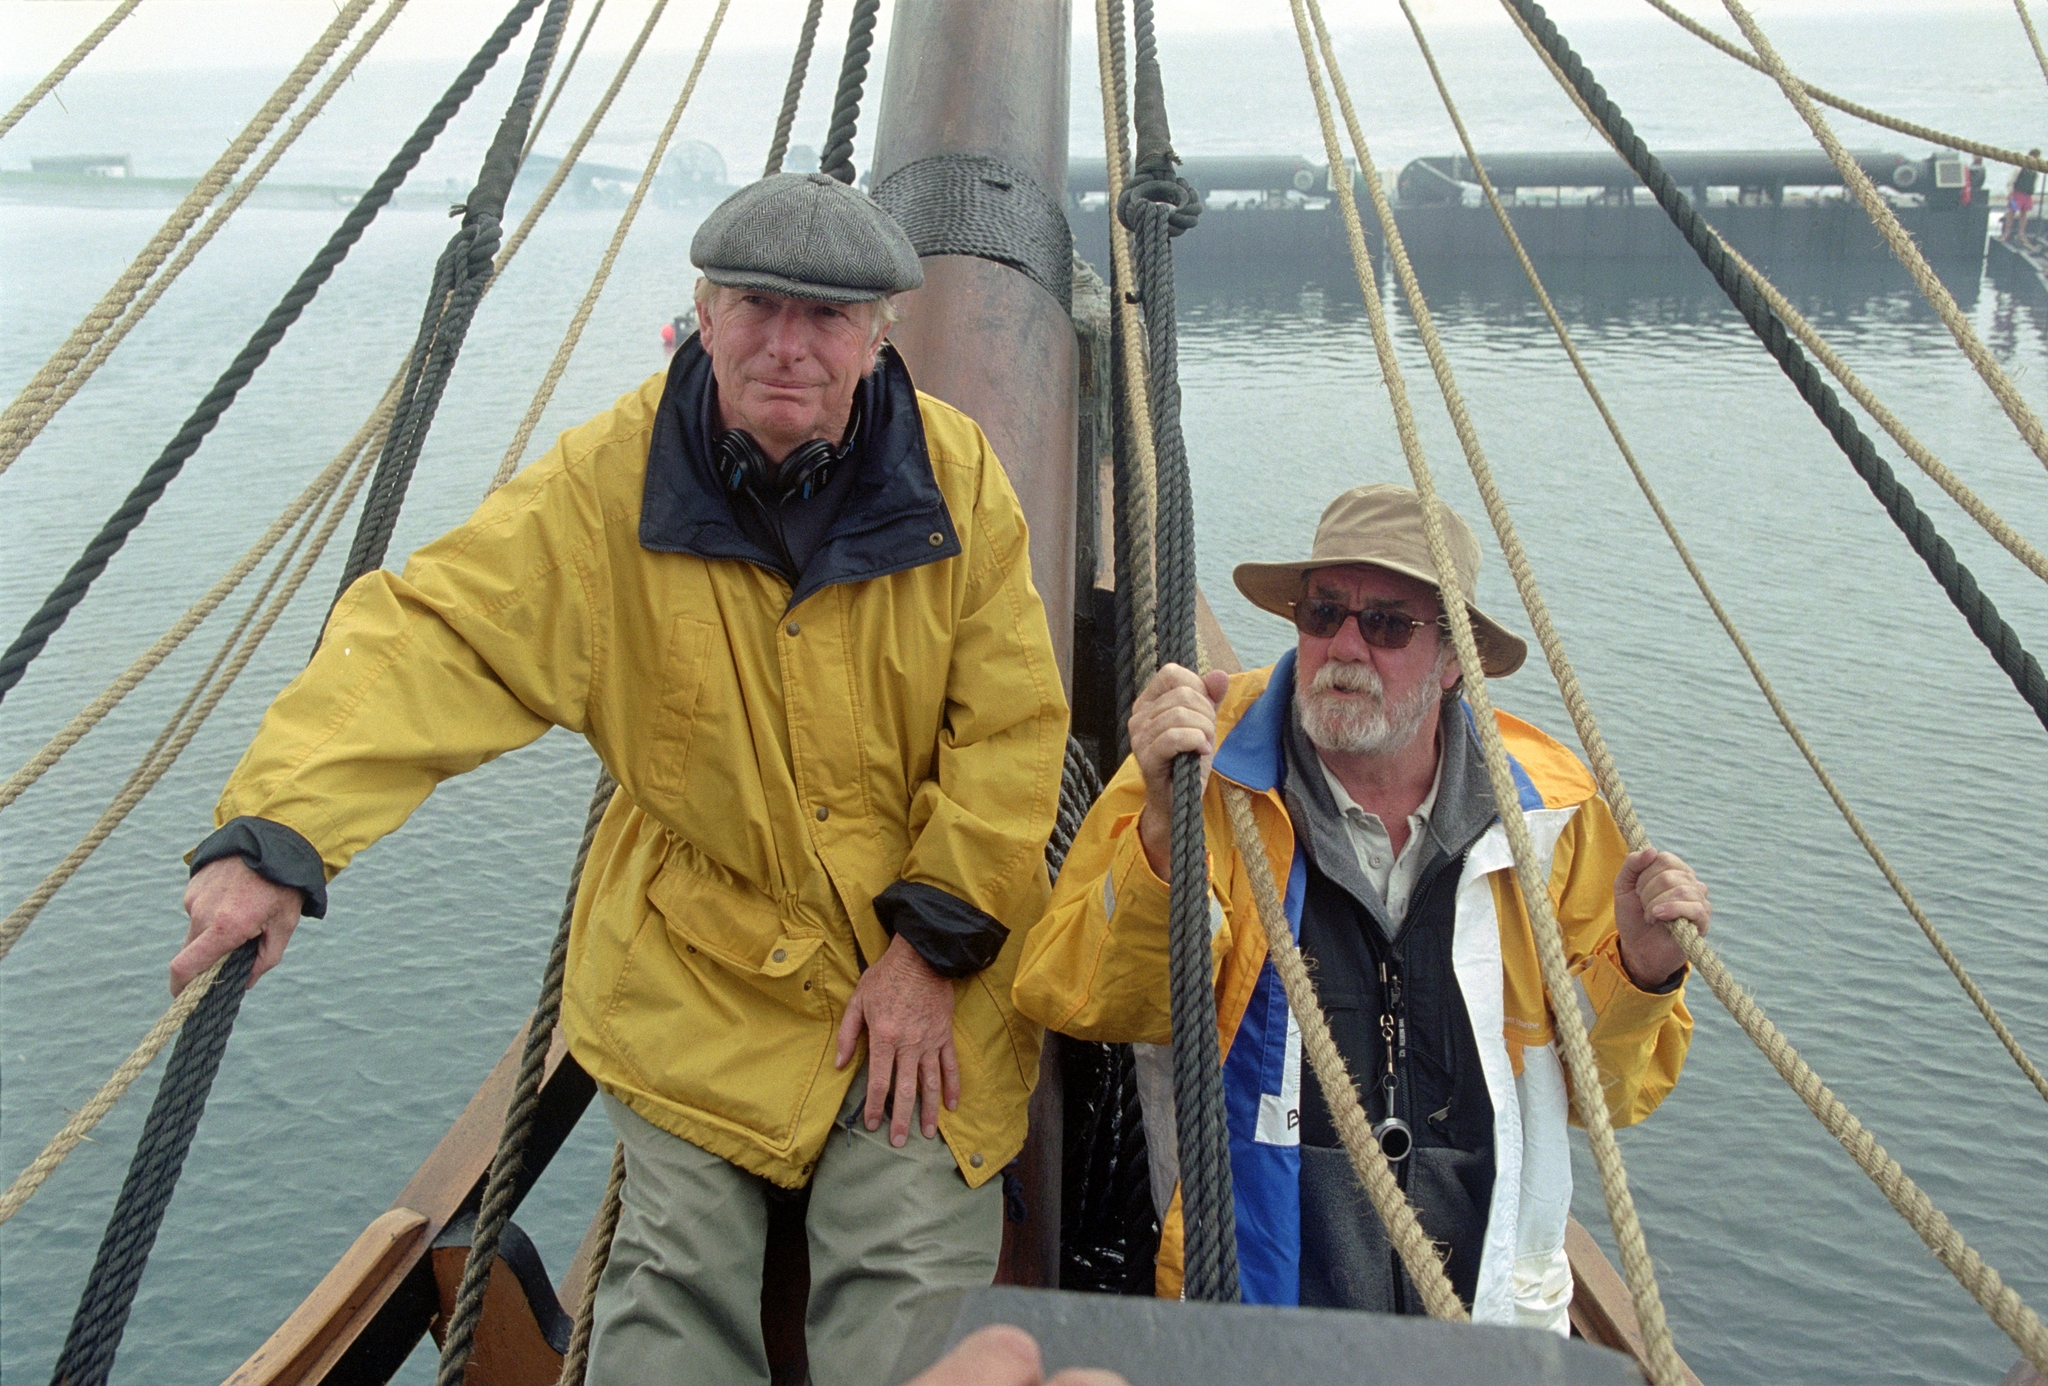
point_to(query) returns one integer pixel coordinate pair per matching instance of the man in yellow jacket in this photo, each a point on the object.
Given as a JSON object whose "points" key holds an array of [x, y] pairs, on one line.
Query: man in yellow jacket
{"points": [[788, 600], [1375, 808]]}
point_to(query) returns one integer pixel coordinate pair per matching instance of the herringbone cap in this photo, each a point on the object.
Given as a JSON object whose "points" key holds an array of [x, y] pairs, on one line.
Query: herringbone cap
{"points": [[807, 235]]}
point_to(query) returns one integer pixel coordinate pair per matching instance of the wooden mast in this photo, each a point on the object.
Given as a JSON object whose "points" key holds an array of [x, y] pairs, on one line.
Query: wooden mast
{"points": [[989, 77]]}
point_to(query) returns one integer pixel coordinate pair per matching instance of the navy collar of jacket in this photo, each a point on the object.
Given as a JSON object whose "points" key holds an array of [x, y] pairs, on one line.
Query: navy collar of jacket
{"points": [[886, 524]]}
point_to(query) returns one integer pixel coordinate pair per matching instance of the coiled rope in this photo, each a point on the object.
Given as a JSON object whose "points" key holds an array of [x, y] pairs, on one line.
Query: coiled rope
{"points": [[1642, 480], [1955, 578], [509, 464], [96, 322], [837, 160], [1902, 246], [1134, 488], [63, 69], [72, 589], [501, 1189], [576, 1361], [33, 423], [96, 1328], [1940, 138], [159, 1156], [793, 93], [1985, 1285], [1588, 1093], [1208, 1209]]}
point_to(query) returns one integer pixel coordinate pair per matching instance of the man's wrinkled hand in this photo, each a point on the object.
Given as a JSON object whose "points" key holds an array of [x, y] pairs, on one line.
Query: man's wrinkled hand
{"points": [[230, 904], [1174, 714], [907, 1010], [1652, 889]]}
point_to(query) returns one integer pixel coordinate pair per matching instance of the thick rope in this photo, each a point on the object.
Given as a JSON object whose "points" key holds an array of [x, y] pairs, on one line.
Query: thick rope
{"points": [[102, 1316], [568, 69], [67, 356], [546, 392], [1955, 578], [576, 1361], [501, 1190], [2033, 39], [1580, 1062], [1939, 138], [1135, 487], [2004, 1306], [1763, 683], [63, 69], [82, 1122], [793, 93], [315, 494], [1421, 1256], [50, 617], [244, 188], [199, 704], [837, 160], [1895, 236]]}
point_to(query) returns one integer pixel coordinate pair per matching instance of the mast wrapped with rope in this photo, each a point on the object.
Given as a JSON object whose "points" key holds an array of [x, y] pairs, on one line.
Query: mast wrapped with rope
{"points": [[1156, 207]]}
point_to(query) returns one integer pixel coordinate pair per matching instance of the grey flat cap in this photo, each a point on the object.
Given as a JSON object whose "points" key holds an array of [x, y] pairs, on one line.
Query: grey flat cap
{"points": [[807, 235]]}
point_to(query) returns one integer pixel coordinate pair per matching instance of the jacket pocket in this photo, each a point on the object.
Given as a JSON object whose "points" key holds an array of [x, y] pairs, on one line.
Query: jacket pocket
{"points": [[707, 912], [675, 714]]}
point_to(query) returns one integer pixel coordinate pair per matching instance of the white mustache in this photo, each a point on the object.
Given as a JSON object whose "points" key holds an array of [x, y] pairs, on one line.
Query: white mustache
{"points": [[1347, 678]]}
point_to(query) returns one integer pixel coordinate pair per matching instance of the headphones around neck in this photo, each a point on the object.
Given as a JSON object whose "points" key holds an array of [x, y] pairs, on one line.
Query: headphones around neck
{"points": [[742, 466]]}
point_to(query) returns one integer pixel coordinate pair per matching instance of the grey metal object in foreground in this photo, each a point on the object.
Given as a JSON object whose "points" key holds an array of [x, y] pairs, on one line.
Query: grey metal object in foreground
{"points": [[1158, 1342]]}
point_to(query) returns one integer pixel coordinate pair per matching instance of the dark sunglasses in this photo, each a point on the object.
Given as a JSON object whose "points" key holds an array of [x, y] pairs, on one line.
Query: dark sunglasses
{"points": [[1378, 626]]}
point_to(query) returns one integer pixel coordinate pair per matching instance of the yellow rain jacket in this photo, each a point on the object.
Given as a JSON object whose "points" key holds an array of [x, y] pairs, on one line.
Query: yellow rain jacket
{"points": [[781, 763], [1096, 968]]}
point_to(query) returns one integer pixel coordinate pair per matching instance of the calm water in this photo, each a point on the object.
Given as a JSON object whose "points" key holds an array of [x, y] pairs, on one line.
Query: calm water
{"points": [[1779, 1261]]}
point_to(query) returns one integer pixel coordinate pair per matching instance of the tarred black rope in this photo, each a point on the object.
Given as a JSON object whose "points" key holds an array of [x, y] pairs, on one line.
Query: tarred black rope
{"points": [[159, 1158], [1156, 208], [102, 1315], [501, 1190], [50, 617], [799, 68], [837, 159], [1956, 580]]}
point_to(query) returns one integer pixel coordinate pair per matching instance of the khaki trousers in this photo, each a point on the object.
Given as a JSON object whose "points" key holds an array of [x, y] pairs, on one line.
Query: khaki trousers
{"points": [[680, 1299]]}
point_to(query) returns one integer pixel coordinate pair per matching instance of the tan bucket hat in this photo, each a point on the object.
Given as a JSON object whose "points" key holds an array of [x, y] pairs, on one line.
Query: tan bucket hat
{"points": [[1382, 525]]}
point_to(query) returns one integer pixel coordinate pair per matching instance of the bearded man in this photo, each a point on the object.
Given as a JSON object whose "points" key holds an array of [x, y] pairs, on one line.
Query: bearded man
{"points": [[788, 600], [1374, 807]]}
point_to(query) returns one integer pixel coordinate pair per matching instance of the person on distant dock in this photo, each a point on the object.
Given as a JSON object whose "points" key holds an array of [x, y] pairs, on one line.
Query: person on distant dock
{"points": [[1374, 806], [788, 600], [2019, 203]]}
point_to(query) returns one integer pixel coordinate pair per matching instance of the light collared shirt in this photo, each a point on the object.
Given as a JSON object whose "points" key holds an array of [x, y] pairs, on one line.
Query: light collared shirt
{"points": [[1393, 876]]}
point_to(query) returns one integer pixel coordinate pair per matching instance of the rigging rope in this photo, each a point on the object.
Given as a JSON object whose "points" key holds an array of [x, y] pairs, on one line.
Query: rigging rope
{"points": [[2033, 39], [837, 160], [1784, 715], [1902, 246], [501, 1191], [576, 1361], [34, 422], [1156, 209], [1134, 488], [540, 121], [1857, 109], [1955, 578], [1985, 1285], [792, 94], [102, 1316], [510, 463], [63, 69], [159, 1156], [72, 589], [67, 356], [1587, 1090], [82, 1122]]}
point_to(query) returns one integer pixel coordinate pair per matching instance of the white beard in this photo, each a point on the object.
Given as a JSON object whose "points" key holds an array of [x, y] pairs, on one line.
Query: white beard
{"points": [[1359, 726]]}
